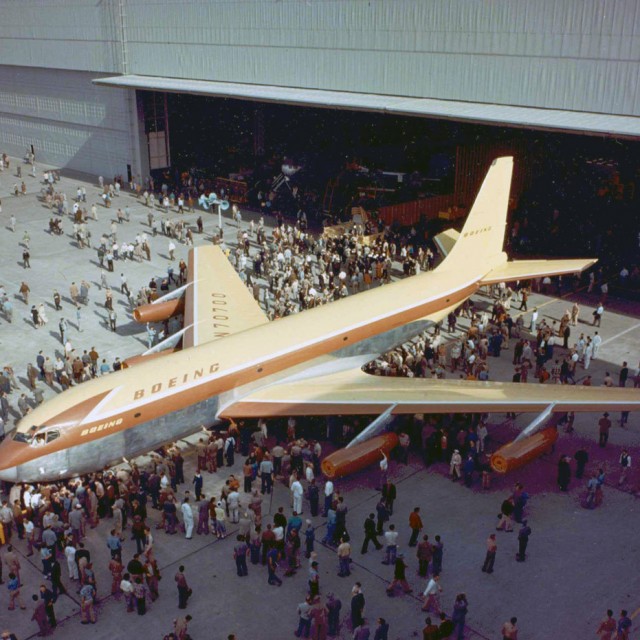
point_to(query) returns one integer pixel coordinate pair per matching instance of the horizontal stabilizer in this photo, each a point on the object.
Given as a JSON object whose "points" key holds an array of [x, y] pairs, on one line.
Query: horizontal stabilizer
{"points": [[526, 269], [445, 241]]}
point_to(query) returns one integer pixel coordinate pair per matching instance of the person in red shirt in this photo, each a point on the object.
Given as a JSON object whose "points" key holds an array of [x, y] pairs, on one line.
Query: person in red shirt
{"points": [[415, 522]]}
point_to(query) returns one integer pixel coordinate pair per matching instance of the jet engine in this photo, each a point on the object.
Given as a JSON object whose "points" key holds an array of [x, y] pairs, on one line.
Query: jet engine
{"points": [[159, 311]]}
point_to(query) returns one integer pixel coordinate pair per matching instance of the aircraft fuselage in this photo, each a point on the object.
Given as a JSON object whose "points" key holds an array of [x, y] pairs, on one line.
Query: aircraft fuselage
{"points": [[133, 411]]}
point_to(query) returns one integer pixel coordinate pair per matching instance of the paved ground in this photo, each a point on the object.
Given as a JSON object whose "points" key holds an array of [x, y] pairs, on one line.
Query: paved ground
{"points": [[580, 562]]}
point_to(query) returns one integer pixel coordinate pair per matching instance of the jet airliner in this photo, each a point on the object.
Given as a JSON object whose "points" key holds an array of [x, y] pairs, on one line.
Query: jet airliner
{"points": [[234, 363]]}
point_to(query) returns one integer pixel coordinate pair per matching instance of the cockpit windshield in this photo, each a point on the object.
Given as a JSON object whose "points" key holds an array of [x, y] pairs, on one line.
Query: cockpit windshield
{"points": [[36, 437], [20, 436]]}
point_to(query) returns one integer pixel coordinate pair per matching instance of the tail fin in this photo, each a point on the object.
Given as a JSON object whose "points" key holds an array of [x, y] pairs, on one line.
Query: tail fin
{"points": [[482, 237]]}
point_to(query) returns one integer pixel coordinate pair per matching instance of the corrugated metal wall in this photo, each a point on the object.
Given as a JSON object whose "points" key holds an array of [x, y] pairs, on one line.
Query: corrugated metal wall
{"points": [[64, 34], [567, 54], [71, 122]]}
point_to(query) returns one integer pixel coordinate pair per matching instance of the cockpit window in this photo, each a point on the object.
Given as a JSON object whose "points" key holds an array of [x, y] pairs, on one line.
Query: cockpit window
{"points": [[19, 436], [37, 437], [39, 440]]}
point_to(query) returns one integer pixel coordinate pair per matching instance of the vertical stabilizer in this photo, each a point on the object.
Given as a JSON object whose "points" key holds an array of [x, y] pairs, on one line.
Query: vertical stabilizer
{"points": [[482, 237]]}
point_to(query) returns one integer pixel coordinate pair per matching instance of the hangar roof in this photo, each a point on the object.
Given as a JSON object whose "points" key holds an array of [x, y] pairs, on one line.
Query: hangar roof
{"points": [[495, 114]]}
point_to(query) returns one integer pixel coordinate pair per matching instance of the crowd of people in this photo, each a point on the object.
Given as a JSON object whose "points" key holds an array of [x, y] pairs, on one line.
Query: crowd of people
{"points": [[288, 269]]}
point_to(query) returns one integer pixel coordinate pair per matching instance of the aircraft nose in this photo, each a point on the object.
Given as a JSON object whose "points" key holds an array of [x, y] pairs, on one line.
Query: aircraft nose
{"points": [[9, 475], [9, 459]]}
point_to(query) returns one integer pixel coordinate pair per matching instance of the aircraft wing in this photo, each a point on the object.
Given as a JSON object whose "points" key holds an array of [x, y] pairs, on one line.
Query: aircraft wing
{"points": [[357, 393], [217, 302], [525, 269]]}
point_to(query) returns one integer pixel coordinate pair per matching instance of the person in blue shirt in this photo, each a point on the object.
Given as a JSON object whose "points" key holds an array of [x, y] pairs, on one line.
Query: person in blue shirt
{"points": [[624, 624], [295, 522], [114, 544], [309, 539], [382, 630], [13, 586], [460, 608], [331, 527]]}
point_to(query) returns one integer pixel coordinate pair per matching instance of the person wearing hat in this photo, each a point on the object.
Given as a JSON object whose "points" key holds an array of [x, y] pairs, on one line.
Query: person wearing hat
{"points": [[399, 576], [76, 520]]}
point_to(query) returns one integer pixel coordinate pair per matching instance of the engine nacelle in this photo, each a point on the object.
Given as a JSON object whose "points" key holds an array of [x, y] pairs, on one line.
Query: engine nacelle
{"points": [[516, 454], [347, 461], [159, 311]]}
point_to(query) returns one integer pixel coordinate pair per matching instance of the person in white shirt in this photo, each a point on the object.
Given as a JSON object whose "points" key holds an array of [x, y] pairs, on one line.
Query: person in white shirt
{"points": [[187, 515], [308, 472], [597, 341], [70, 555], [29, 533], [384, 468], [328, 496], [482, 434], [588, 353], [391, 543], [297, 492], [127, 589], [534, 320], [278, 532], [432, 595]]}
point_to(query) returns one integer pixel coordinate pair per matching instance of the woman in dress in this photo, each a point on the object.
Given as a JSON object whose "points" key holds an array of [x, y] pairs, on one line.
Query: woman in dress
{"points": [[42, 315]]}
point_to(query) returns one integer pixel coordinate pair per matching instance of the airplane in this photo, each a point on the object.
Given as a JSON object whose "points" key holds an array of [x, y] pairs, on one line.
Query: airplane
{"points": [[234, 363]]}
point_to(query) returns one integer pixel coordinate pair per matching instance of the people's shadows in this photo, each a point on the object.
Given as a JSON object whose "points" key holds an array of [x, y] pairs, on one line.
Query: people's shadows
{"points": [[130, 328], [104, 317], [29, 321]]}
